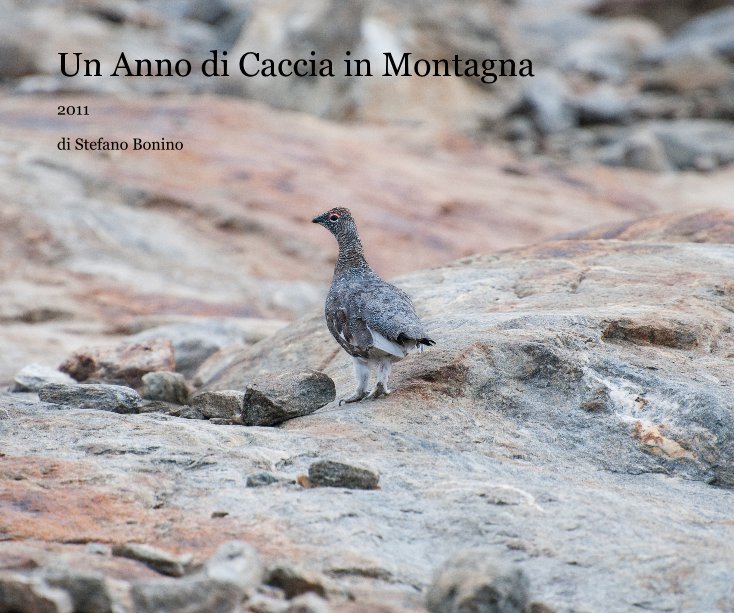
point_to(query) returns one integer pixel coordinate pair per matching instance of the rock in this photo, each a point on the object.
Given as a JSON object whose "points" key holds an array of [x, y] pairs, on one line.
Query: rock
{"points": [[188, 412], [262, 479], [165, 386], [157, 559], [226, 404], [472, 581], [235, 563], [295, 581], [308, 603], [126, 363], [194, 341], [696, 144], [548, 99], [89, 592], [642, 150], [707, 33], [192, 594], [225, 579], [22, 593], [33, 377], [100, 397], [688, 74], [271, 400], [602, 105], [330, 473]]}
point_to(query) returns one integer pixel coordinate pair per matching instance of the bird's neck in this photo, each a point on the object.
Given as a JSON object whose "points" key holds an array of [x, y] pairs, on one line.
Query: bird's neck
{"points": [[350, 256]]}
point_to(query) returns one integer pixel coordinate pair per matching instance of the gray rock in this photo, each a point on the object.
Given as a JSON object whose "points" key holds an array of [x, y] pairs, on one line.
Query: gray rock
{"points": [[20, 593], [102, 397], [271, 400], [602, 105], [188, 412], [330, 473], [89, 592], [155, 558], [262, 479], [472, 581], [165, 386], [712, 32], [696, 143], [295, 581], [308, 603], [548, 99], [235, 563], [642, 149], [33, 377], [233, 571], [226, 404], [192, 594]]}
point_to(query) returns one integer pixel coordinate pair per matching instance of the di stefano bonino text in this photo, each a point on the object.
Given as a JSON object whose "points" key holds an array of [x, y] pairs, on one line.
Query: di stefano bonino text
{"points": [[254, 64]]}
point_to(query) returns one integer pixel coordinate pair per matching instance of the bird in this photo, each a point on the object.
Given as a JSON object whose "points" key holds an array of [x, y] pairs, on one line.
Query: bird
{"points": [[374, 321]]}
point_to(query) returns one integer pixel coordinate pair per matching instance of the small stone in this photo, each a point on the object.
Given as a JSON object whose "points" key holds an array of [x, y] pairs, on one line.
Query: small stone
{"points": [[294, 581], [263, 478], [278, 398], [308, 603], [329, 473], [226, 404], [157, 559], [102, 397], [126, 363], [192, 594], [470, 581], [21, 593], [33, 377], [236, 563], [188, 412], [165, 386], [100, 549], [89, 592]]}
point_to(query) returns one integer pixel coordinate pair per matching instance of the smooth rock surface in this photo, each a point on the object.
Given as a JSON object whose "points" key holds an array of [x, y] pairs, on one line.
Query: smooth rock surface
{"points": [[100, 397], [276, 398]]}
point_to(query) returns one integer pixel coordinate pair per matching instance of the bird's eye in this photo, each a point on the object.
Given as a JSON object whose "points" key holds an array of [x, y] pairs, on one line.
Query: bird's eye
{"points": [[333, 217]]}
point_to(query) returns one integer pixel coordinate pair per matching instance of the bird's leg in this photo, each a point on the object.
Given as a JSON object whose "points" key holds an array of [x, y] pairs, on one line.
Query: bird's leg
{"points": [[362, 374], [383, 374]]}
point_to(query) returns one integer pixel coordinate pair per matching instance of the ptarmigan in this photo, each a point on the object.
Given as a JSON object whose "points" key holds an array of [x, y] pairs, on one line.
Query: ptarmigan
{"points": [[374, 321]]}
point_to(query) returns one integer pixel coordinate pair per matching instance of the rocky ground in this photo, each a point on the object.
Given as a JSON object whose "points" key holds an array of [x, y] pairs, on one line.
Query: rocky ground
{"points": [[568, 443]]}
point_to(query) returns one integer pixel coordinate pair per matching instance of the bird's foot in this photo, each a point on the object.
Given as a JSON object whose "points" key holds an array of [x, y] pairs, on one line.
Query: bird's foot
{"points": [[380, 390], [355, 397]]}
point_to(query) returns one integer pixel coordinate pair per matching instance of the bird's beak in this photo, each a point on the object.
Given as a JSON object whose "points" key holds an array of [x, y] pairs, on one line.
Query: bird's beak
{"points": [[318, 219]]}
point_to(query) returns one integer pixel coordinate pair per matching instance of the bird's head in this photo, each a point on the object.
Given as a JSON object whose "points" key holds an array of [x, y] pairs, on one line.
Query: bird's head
{"points": [[338, 221]]}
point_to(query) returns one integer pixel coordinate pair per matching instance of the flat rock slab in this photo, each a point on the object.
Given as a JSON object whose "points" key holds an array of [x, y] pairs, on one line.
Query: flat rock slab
{"points": [[273, 399], [99, 396]]}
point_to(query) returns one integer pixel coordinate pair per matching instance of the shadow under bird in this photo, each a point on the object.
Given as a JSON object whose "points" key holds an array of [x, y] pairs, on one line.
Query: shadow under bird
{"points": [[374, 321]]}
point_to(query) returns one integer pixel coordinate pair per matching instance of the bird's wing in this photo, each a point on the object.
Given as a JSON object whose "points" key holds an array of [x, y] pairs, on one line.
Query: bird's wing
{"points": [[389, 311]]}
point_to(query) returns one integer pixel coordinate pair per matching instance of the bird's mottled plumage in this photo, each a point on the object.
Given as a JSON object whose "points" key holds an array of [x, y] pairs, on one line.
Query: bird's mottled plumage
{"points": [[374, 321]]}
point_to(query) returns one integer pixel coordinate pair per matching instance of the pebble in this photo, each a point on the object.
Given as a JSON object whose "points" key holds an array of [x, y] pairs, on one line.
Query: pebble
{"points": [[165, 386], [330, 473], [225, 404]]}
